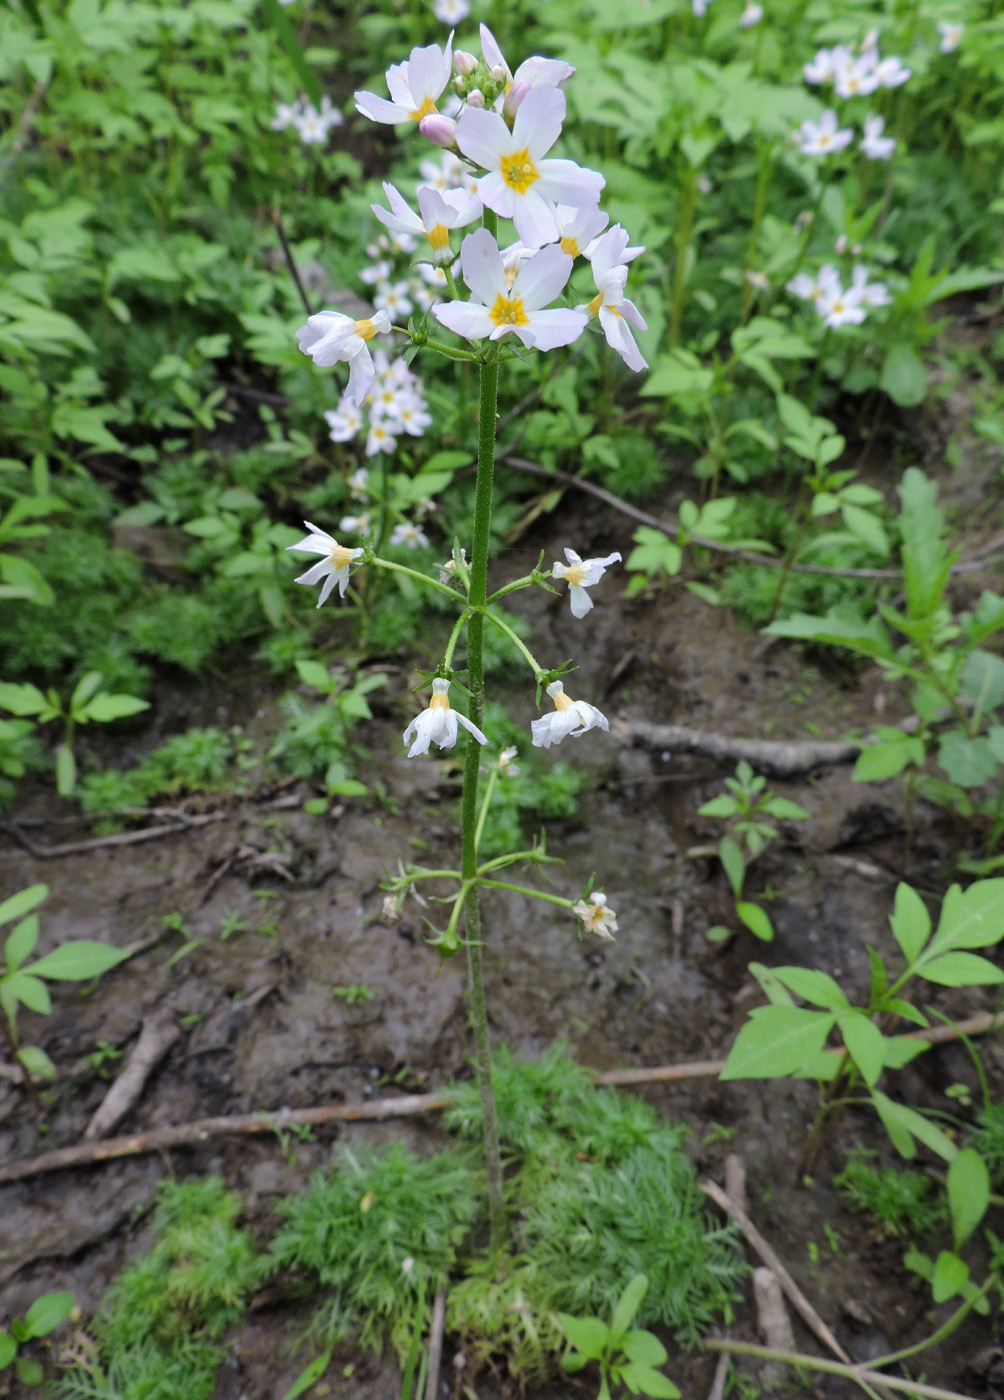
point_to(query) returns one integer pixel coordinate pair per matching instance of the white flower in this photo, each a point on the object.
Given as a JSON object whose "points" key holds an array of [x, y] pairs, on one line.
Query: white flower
{"points": [[700, 7], [414, 86], [409, 1263], [331, 336], [596, 916], [440, 212], [873, 143], [521, 183], [951, 35], [570, 717], [607, 256], [448, 173], [545, 72], [314, 125], [758, 280], [413, 418], [580, 575], [892, 72], [409, 535], [840, 308], [379, 439], [810, 288], [580, 228], [823, 138], [438, 724], [448, 571], [378, 272], [869, 293], [497, 308], [286, 114], [506, 767], [333, 568], [358, 484], [858, 77], [752, 15], [822, 69], [450, 11], [355, 524], [392, 298]]}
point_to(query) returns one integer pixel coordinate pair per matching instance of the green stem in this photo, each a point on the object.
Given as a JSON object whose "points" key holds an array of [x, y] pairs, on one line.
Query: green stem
{"points": [[945, 1330], [862, 1375], [485, 803], [522, 889], [520, 646], [686, 224], [450, 351], [516, 584], [469, 811], [413, 573], [766, 158], [451, 645]]}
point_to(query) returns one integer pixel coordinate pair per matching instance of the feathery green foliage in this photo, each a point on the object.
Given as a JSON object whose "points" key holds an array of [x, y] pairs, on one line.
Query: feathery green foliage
{"points": [[905, 1203]]}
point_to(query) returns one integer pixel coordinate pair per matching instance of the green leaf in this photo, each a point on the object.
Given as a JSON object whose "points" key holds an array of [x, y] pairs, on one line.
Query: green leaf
{"points": [[867, 638], [78, 961], [903, 376], [974, 919], [587, 1334], [37, 1062], [982, 680], [66, 770], [29, 1372], [961, 970], [756, 920], [723, 806], [21, 699], [732, 863], [8, 1349], [315, 675], [21, 943], [813, 986], [644, 1348], [775, 1041], [883, 760], [968, 1193], [641, 1379], [865, 1044], [926, 562], [867, 527], [899, 1050], [279, 23], [47, 1312], [785, 810], [968, 762], [108, 707], [309, 1376], [21, 902], [85, 688], [950, 1273], [904, 1124], [911, 923], [627, 1305], [30, 990]]}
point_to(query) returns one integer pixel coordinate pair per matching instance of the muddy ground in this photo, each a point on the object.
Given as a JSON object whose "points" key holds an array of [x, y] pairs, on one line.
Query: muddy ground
{"points": [[260, 1029]]}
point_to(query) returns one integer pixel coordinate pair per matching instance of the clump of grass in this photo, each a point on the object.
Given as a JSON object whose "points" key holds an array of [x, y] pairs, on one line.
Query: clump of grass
{"points": [[197, 760], [906, 1204], [988, 1139], [493, 1312], [159, 1323], [376, 1235]]}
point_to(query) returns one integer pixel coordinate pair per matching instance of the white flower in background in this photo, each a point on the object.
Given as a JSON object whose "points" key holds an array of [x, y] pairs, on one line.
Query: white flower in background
{"points": [[450, 11], [951, 35], [286, 115], [811, 287], [377, 272], [580, 228], [596, 915], [700, 7], [581, 574], [758, 280], [535, 71], [607, 256], [498, 307], [422, 296], [343, 421], [447, 173], [892, 72], [409, 535], [440, 212], [823, 68], [752, 15], [379, 439], [858, 77], [840, 308], [823, 138], [522, 184], [333, 568], [413, 418], [355, 524], [313, 125], [359, 484], [869, 293], [415, 86], [438, 724], [873, 143], [506, 767], [392, 298], [331, 336], [570, 717]]}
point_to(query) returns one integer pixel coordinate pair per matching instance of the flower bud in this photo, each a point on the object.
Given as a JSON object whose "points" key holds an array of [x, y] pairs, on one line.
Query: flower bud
{"points": [[459, 84], [514, 97], [498, 73], [475, 98], [464, 63], [435, 127], [840, 246], [869, 41]]}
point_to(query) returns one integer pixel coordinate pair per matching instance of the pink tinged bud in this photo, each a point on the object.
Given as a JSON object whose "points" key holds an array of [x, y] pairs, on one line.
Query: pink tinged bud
{"points": [[464, 63], [498, 73], [439, 129], [475, 98], [841, 244], [514, 97]]}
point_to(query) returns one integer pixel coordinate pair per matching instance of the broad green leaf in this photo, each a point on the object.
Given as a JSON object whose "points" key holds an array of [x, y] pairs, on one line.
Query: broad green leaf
{"points": [[813, 986], [78, 961], [29, 1371], [66, 770], [732, 863], [899, 1050], [31, 991], [8, 1349], [21, 699], [904, 1124], [968, 1193], [85, 688], [865, 1043], [903, 376], [775, 1041], [643, 1347], [312, 673], [785, 810], [961, 970], [950, 1273], [867, 638], [47, 1312], [21, 902], [37, 1062], [641, 1379], [982, 680], [970, 919], [911, 923], [867, 527], [880, 761], [21, 943], [968, 762], [756, 920], [723, 806], [627, 1305], [309, 1376], [587, 1334], [108, 707], [925, 561]]}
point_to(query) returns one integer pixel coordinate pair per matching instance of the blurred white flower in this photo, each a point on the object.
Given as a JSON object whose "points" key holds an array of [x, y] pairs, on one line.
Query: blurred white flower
{"points": [[951, 35], [450, 11], [570, 717], [313, 125], [409, 535], [892, 72], [751, 15], [869, 293], [840, 308], [286, 114], [596, 915], [355, 524], [506, 767], [392, 298], [333, 568], [824, 137], [344, 422], [438, 724], [873, 143], [379, 439], [581, 574], [858, 77], [358, 484]]}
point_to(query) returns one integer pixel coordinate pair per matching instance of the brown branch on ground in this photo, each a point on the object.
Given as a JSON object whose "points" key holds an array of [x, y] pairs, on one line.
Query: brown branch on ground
{"points": [[435, 1346], [159, 1033], [781, 759]]}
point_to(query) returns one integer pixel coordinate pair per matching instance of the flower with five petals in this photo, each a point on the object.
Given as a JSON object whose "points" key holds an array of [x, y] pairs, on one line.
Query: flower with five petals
{"points": [[569, 717], [332, 568], [331, 336], [581, 574], [438, 724], [597, 916], [415, 86]]}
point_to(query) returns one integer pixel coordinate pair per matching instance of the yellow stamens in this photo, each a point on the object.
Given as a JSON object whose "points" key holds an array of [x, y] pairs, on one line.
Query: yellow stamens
{"points": [[508, 311], [366, 330], [575, 574], [562, 701], [519, 171], [439, 237], [594, 306], [426, 109], [340, 556], [439, 702], [570, 246]]}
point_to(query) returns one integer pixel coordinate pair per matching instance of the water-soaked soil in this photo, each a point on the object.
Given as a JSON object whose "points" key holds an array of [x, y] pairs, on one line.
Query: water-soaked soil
{"points": [[261, 1029]]}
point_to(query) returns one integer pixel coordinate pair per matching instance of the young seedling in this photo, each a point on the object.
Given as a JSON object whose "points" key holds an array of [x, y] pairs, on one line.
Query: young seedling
{"points": [[43, 1317], [627, 1357]]}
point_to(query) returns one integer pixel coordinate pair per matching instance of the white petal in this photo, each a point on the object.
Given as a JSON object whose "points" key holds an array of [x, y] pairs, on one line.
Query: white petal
{"points": [[361, 376], [547, 330], [378, 109], [467, 318], [495, 194], [542, 278], [327, 587], [483, 137], [619, 338], [538, 122], [563, 180], [534, 216], [315, 573], [470, 726], [481, 263], [580, 600], [426, 76]]}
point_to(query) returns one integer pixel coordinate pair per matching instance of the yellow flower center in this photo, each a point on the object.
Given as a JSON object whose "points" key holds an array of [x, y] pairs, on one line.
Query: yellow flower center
{"points": [[366, 330], [824, 138], [562, 701], [340, 556], [439, 702], [570, 246], [519, 171], [575, 574], [426, 109], [594, 306], [439, 237], [508, 311]]}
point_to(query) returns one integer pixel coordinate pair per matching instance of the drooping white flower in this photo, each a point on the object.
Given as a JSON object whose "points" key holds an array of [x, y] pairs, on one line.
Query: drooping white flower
{"points": [[824, 137], [873, 143], [751, 15], [440, 212], [506, 767], [450, 11], [331, 336], [840, 308], [570, 717], [415, 87], [498, 306], [811, 287], [438, 724], [596, 915], [581, 574], [892, 72], [344, 422], [522, 184], [951, 35], [409, 535], [607, 257], [333, 568]]}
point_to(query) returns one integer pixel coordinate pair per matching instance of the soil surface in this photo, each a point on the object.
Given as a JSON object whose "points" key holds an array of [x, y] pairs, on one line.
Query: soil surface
{"points": [[260, 1029]]}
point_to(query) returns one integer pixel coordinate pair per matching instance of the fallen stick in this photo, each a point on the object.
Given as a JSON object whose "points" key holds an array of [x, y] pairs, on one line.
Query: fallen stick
{"points": [[159, 1033], [795, 1295], [436, 1329], [98, 843], [861, 1374], [777, 757], [717, 1391]]}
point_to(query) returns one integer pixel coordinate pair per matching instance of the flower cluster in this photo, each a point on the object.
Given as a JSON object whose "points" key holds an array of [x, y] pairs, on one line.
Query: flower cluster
{"points": [[826, 137], [837, 305], [394, 405], [856, 74], [311, 124]]}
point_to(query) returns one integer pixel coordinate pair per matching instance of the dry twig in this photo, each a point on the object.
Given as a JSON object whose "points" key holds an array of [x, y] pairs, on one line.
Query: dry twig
{"points": [[435, 1346], [159, 1033]]}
